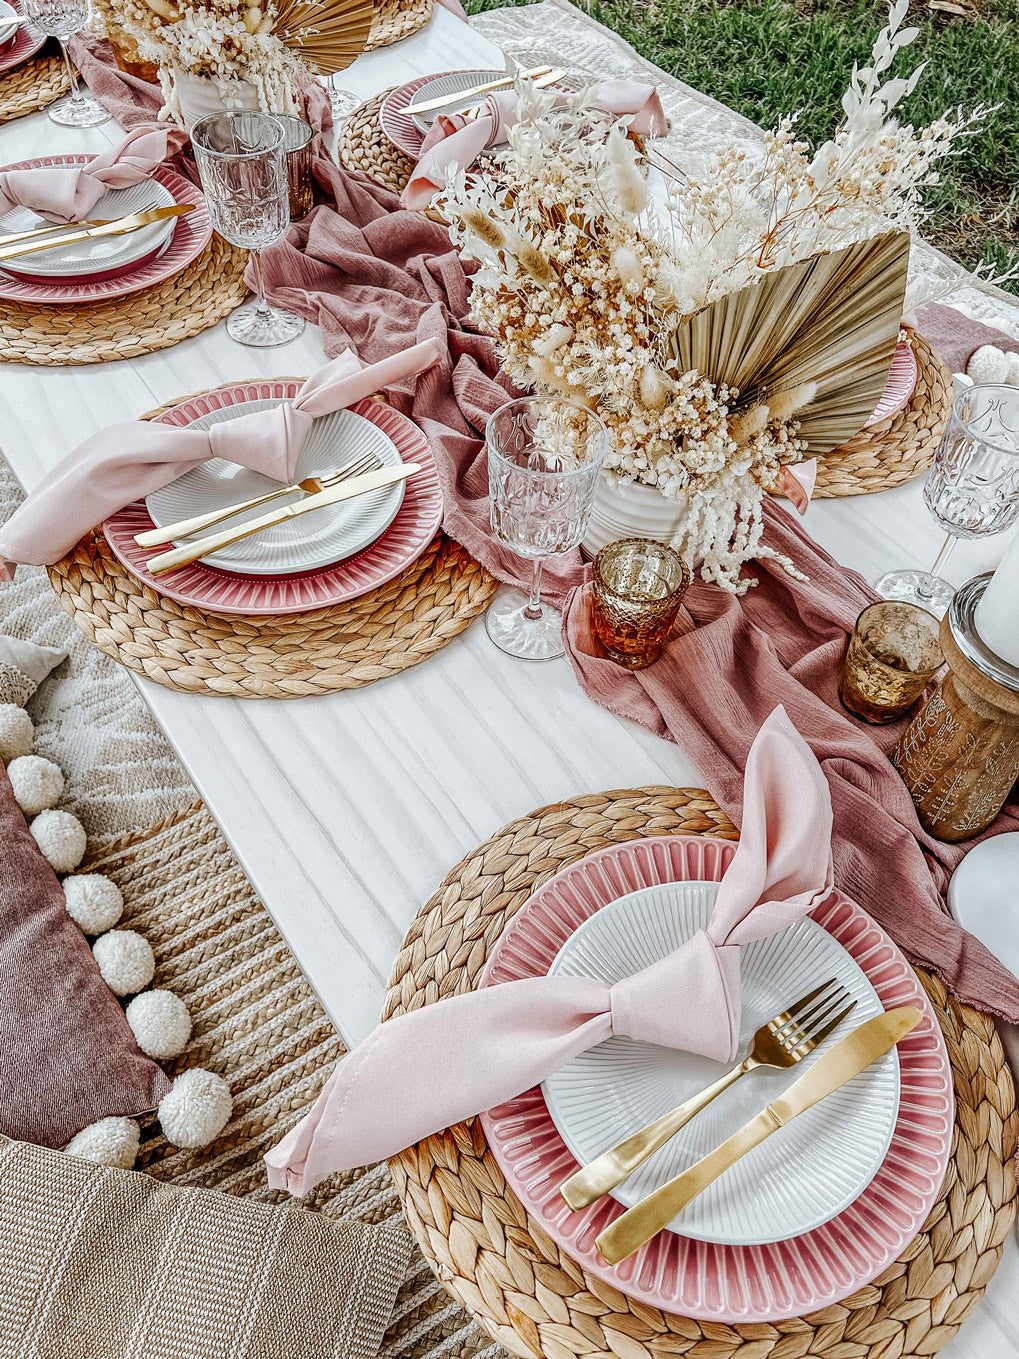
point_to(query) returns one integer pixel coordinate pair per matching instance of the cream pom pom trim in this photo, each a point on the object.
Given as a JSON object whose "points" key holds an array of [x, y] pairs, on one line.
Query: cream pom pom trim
{"points": [[196, 1109], [37, 783], [61, 837], [125, 960], [16, 732], [110, 1142], [988, 364], [161, 1024], [94, 902]]}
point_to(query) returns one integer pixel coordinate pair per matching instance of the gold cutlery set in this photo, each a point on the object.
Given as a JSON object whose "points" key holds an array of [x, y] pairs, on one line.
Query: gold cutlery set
{"points": [[71, 233], [541, 76], [781, 1043]]}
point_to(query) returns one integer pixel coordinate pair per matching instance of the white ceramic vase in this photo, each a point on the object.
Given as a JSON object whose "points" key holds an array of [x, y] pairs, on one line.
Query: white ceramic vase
{"points": [[197, 96], [630, 510]]}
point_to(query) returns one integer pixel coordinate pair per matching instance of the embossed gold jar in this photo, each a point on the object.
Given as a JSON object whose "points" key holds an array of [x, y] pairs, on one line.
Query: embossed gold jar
{"points": [[959, 756]]}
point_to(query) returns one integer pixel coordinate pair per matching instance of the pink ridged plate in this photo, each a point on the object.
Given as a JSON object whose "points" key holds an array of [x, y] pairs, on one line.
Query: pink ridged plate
{"points": [[191, 234], [26, 43], [700, 1279], [900, 384], [398, 125], [223, 592]]}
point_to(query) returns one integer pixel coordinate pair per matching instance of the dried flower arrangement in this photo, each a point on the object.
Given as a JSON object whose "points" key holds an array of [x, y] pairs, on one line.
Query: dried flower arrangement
{"points": [[726, 319], [268, 44]]}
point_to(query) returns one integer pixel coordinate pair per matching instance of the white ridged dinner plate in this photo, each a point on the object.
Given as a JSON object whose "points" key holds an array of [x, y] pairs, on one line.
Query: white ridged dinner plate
{"points": [[309, 541], [800, 1177]]}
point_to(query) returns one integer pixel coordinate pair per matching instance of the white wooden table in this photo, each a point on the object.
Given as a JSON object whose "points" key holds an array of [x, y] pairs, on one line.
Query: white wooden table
{"points": [[347, 811]]}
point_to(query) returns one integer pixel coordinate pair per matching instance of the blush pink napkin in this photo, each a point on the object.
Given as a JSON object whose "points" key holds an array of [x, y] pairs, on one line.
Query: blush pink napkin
{"points": [[128, 461], [501, 1040], [455, 141], [68, 193]]}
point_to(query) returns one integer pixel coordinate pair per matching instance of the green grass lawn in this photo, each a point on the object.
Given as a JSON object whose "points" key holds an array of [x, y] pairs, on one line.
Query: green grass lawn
{"points": [[769, 57]]}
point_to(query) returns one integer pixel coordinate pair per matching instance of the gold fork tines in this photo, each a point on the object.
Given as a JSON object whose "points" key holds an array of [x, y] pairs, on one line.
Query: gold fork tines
{"points": [[781, 1042]]}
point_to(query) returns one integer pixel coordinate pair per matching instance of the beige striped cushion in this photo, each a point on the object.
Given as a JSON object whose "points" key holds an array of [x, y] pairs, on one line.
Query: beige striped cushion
{"points": [[109, 1264]]}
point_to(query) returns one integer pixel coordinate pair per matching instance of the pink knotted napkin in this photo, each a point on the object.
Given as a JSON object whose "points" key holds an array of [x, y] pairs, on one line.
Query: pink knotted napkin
{"points": [[125, 462], [434, 1067], [68, 193], [453, 140]]}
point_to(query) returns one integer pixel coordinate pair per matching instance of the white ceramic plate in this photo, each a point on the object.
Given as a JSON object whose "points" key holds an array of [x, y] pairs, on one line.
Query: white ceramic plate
{"points": [[308, 542], [104, 252], [450, 83], [8, 31], [804, 1174]]}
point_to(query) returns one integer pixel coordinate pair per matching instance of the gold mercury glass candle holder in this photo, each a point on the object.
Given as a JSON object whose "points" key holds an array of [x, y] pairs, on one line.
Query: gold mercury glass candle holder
{"points": [[638, 588], [893, 655], [297, 137]]}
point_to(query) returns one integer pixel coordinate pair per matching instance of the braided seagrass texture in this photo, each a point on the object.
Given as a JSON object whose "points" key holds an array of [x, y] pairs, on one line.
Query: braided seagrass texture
{"points": [[362, 147], [396, 19], [35, 84], [205, 291], [899, 448], [537, 1301]]}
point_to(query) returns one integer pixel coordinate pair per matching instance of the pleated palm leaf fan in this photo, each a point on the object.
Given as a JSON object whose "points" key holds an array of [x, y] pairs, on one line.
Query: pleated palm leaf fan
{"points": [[328, 34], [832, 320]]}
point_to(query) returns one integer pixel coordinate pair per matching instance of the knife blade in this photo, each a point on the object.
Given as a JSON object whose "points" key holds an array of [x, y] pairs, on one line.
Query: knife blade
{"points": [[123, 226], [427, 105], [370, 481], [846, 1059]]}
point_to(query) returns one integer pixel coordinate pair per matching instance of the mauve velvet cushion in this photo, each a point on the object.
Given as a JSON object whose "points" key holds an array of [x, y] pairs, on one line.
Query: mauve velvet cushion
{"points": [[67, 1054]]}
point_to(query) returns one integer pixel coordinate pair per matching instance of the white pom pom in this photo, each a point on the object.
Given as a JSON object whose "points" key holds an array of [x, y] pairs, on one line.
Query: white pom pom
{"points": [[988, 364], [110, 1142], [161, 1024], [1012, 375], [61, 837], [16, 732], [125, 960], [196, 1110], [94, 902], [37, 782]]}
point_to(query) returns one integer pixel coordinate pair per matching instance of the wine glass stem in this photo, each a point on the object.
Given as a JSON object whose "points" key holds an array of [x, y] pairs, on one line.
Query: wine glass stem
{"points": [[72, 75], [533, 610], [261, 305], [925, 589]]}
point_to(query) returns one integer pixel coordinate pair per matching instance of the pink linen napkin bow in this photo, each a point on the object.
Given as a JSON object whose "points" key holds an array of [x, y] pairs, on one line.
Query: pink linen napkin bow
{"points": [[436, 1066], [68, 193], [130, 460], [453, 141]]}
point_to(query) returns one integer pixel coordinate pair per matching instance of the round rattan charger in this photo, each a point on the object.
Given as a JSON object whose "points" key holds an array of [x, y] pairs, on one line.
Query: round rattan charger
{"points": [[535, 1300], [345, 646], [208, 289], [35, 84]]}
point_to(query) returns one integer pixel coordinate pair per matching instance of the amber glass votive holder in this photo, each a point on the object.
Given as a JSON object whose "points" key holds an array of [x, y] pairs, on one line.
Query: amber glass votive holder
{"points": [[893, 655], [297, 136], [638, 587]]}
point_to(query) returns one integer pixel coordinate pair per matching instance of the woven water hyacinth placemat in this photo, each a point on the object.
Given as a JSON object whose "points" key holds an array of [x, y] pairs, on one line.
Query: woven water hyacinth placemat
{"points": [[345, 646], [396, 19], [536, 1300], [205, 291], [35, 84], [362, 146]]}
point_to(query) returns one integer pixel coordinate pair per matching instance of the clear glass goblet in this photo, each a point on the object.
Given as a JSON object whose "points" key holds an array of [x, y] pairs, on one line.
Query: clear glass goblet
{"points": [[61, 19], [544, 458], [242, 160], [972, 489]]}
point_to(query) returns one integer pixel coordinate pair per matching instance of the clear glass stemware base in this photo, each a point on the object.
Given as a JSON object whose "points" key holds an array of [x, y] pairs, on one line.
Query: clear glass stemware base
{"points": [[512, 627], [80, 112], [263, 327], [917, 587]]}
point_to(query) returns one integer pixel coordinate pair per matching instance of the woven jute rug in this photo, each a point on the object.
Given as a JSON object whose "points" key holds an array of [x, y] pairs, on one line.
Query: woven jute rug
{"points": [[208, 289], [535, 1299], [258, 1023], [35, 84]]}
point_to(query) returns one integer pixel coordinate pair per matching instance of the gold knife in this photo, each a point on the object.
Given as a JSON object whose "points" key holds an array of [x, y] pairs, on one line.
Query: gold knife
{"points": [[121, 227], [429, 104], [191, 552], [840, 1064]]}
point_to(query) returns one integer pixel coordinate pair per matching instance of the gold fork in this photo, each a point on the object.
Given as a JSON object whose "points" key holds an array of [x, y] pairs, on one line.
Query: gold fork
{"points": [[367, 462], [782, 1042]]}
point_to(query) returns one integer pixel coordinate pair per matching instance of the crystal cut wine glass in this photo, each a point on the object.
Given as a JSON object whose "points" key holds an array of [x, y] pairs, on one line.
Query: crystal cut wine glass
{"points": [[61, 19], [544, 459], [242, 160], [972, 489]]}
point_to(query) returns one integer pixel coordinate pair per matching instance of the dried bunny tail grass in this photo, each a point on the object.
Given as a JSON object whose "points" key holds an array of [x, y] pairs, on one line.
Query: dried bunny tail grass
{"points": [[784, 405], [486, 228], [558, 335], [627, 265], [624, 175], [532, 260], [655, 387], [747, 423]]}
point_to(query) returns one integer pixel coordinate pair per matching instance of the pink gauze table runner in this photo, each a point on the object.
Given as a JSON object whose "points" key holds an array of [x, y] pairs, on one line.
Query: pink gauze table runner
{"points": [[378, 278]]}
